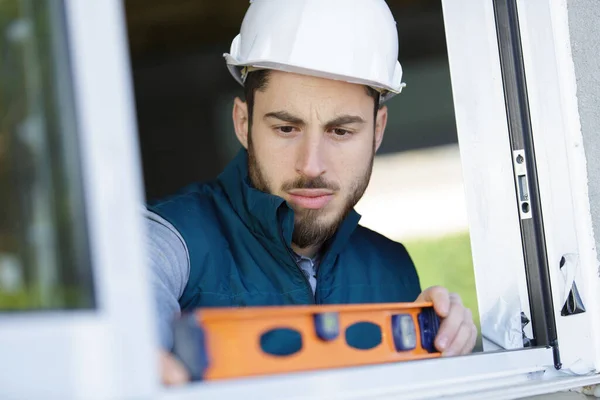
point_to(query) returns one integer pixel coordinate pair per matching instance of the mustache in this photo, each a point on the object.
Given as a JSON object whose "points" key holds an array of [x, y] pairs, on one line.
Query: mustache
{"points": [[310, 183]]}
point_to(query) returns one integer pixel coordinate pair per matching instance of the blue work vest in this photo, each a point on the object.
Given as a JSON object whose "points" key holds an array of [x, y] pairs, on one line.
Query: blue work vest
{"points": [[239, 240]]}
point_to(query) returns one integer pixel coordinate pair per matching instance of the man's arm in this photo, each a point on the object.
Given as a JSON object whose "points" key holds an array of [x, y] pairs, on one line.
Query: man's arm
{"points": [[169, 264]]}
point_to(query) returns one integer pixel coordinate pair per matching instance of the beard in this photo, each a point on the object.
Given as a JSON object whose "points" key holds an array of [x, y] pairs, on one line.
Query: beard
{"points": [[309, 228]]}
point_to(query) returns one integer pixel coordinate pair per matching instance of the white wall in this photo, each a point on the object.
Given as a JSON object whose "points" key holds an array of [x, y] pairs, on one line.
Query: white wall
{"points": [[584, 27]]}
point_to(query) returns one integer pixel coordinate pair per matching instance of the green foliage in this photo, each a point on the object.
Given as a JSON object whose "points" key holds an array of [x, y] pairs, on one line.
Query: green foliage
{"points": [[446, 261], [30, 298]]}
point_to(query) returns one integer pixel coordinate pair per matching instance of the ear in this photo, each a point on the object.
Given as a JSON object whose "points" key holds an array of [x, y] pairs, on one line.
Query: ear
{"points": [[240, 121], [380, 123]]}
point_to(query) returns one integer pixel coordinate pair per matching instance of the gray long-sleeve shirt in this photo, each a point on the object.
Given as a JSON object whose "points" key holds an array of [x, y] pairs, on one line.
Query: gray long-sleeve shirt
{"points": [[170, 270]]}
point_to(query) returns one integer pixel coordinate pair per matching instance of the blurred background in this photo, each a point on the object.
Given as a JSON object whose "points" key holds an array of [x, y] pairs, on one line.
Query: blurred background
{"points": [[44, 253], [184, 95]]}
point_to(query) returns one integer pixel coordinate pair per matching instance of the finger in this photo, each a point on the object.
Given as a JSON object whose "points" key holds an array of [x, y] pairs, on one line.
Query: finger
{"points": [[451, 324], [455, 298], [172, 371], [461, 340], [440, 298], [468, 349]]}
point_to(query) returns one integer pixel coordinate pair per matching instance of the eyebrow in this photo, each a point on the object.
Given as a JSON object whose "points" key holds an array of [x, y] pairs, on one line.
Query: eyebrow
{"points": [[285, 116], [337, 121], [345, 120]]}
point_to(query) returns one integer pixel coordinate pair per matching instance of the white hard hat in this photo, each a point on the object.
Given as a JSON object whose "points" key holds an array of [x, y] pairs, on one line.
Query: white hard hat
{"points": [[350, 40]]}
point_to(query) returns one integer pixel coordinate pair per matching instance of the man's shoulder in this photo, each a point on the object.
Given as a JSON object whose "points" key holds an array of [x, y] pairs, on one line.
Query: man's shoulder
{"points": [[188, 196], [192, 210], [372, 247], [366, 238], [384, 261], [193, 203]]}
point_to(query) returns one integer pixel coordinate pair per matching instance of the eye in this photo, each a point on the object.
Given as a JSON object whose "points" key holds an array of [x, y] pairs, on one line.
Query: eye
{"points": [[285, 130], [340, 132]]}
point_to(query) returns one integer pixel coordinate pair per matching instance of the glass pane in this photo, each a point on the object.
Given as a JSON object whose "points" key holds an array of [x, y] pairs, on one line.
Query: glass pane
{"points": [[44, 261]]}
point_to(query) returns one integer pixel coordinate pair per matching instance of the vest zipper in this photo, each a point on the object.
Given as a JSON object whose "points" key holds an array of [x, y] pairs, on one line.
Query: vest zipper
{"points": [[317, 280], [312, 294]]}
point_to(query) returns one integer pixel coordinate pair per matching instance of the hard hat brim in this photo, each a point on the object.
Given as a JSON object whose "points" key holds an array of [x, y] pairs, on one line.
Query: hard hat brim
{"points": [[236, 69]]}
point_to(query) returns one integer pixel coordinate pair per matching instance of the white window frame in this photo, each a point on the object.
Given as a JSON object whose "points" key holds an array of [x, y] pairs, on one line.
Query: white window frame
{"points": [[486, 158], [108, 352], [562, 176], [111, 352]]}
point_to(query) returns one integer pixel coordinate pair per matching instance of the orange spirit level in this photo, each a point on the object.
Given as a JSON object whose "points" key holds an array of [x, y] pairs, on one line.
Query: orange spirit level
{"points": [[218, 343]]}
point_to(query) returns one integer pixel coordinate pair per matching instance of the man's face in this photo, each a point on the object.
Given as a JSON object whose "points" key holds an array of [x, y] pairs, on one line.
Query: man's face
{"points": [[312, 142]]}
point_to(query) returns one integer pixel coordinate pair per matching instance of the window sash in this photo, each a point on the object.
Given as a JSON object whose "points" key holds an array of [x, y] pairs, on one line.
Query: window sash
{"points": [[486, 158]]}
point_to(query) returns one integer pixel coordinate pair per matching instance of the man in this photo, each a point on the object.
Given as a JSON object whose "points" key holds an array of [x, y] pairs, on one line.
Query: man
{"points": [[278, 227]]}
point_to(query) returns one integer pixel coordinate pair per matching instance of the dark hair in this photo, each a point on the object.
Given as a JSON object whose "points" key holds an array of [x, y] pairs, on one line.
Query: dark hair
{"points": [[258, 80]]}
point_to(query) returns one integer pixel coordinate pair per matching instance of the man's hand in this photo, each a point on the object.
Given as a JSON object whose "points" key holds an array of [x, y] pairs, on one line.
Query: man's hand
{"points": [[457, 334], [172, 372]]}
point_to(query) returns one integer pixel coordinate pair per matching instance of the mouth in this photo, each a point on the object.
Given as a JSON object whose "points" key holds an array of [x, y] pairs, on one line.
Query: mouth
{"points": [[310, 198]]}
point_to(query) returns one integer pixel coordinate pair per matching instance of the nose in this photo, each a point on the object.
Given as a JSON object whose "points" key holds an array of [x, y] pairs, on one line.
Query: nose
{"points": [[310, 160]]}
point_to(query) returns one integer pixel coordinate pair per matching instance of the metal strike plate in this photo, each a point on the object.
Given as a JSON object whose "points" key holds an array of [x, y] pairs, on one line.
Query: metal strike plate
{"points": [[522, 183]]}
